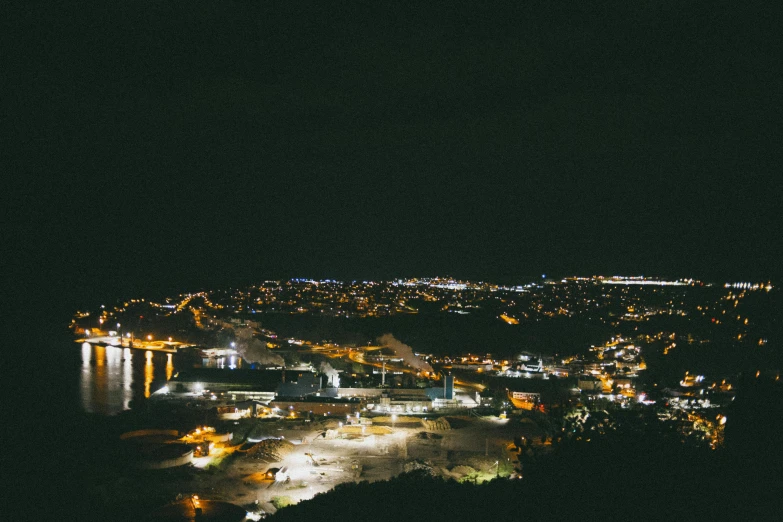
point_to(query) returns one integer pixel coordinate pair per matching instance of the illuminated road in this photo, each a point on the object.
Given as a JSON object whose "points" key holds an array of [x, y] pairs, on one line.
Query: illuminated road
{"points": [[197, 318], [472, 385], [509, 319], [137, 344], [358, 356]]}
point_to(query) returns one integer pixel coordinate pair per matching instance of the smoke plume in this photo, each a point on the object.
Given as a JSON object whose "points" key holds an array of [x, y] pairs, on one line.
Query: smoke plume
{"points": [[404, 351], [253, 351], [332, 374]]}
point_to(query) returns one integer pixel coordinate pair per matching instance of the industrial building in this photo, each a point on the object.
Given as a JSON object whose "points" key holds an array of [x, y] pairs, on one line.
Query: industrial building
{"points": [[409, 400], [246, 384], [242, 384], [299, 384], [403, 401], [302, 391], [317, 405]]}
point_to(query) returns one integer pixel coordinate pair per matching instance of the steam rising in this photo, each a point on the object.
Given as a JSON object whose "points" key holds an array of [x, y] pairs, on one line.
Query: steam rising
{"points": [[252, 350], [332, 374], [404, 351]]}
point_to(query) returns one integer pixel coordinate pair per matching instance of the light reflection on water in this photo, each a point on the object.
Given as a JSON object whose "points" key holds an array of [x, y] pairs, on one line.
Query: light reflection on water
{"points": [[126, 378], [112, 377], [169, 366], [149, 371]]}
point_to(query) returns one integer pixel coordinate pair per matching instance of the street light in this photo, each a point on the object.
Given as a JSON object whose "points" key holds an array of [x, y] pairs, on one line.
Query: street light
{"points": [[197, 511]]}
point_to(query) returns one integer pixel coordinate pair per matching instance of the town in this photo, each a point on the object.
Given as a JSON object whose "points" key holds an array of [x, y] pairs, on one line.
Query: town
{"points": [[266, 396]]}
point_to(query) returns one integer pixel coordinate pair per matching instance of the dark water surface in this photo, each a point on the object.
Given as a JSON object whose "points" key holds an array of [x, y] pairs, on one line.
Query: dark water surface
{"points": [[113, 379]]}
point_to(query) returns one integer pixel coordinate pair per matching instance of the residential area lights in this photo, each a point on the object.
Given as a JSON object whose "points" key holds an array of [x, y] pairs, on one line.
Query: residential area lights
{"points": [[593, 382], [609, 370], [515, 304]]}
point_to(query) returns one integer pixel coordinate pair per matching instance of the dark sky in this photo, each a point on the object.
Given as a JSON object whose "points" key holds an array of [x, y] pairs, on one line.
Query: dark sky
{"points": [[179, 144]]}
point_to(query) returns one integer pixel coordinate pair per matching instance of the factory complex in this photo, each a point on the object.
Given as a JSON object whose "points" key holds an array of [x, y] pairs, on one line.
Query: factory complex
{"points": [[301, 392]]}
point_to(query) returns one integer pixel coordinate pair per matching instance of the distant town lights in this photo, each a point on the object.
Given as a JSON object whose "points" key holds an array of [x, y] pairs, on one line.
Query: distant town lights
{"points": [[749, 286], [643, 282]]}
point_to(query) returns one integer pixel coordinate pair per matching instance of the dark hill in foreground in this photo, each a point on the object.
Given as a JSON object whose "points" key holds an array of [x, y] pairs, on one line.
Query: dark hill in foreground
{"points": [[610, 482], [621, 476]]}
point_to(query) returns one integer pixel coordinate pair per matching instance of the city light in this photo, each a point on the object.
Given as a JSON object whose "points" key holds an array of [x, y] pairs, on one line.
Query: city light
{"points": [[604, 376]]}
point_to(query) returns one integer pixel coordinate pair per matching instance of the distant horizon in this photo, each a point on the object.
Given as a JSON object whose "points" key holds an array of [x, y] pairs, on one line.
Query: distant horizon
{"points": [[487, 142], [159, 292]]}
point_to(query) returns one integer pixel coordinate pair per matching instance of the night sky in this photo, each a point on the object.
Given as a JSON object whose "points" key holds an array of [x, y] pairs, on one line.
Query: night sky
{"points": [[168, 145]]}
